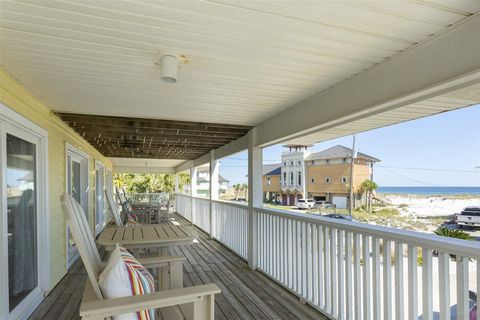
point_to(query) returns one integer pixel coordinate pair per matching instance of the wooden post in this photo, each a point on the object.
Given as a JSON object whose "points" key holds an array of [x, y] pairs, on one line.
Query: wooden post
{"points": [[214, 188], [255, 193], [351, 202], [193, 190], [177, 189]]}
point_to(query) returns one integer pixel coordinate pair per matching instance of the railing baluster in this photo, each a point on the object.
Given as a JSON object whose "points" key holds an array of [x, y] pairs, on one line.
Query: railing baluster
{"points": [[478, 288], [321, 267], [315, 264], [341, 274], [412, 282], [309, 293], [399, 286], [462, 287], [427, 290], [348, 275], [387, 279], [304, 259], [377, 292], [367, 287], [290, 253], [328, 282], [356, 274], [333, 261], [444, 284]]}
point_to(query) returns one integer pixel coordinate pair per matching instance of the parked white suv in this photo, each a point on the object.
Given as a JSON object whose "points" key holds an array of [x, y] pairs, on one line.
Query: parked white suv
{"points": [[305, 204]]}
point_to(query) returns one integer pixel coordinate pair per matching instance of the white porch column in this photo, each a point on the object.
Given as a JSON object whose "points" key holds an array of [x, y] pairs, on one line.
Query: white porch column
{"points": [[255, 195], [214, 188], [193, 189], [177, 189]]}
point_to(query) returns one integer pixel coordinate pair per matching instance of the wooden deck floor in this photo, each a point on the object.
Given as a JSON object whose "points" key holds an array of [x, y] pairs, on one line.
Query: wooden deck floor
{"points": [[246, 294]]}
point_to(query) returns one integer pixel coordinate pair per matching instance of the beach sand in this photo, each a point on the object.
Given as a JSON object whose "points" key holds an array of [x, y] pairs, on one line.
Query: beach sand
{"points": [[431, 206]]}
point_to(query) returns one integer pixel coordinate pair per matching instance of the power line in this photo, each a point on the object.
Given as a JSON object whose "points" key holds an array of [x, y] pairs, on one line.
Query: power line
{"points": [[408, 178], [428, 169]]}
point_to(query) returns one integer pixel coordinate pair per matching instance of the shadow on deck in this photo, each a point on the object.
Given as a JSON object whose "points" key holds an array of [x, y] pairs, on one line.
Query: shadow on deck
{"points": [[246, 294]]}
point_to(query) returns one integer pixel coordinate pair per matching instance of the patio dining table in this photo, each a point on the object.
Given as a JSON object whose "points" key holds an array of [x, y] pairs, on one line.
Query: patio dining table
{"points": [[162, 235], [150, 236]]}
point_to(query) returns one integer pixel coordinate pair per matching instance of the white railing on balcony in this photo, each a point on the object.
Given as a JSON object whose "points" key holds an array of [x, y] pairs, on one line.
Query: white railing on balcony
{"points": [[230, 226], [183, 206], [349, 270], [148, 198], [201, 213]]}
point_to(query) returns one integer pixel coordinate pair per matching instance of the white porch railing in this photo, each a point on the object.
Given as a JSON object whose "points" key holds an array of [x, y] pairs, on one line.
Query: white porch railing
{"points": [[148, 198], [230, 226], [349, 270]]}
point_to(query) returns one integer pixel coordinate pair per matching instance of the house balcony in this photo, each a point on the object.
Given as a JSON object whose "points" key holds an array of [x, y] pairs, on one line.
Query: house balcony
{"points": [[84, 94]]}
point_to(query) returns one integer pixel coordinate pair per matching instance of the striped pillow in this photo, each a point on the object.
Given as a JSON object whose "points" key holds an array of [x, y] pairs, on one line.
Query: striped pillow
{"points": [[124, 276]]}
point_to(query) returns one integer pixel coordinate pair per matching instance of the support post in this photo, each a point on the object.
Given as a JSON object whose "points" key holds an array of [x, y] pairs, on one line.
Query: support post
{"points": [[255, 193], [193, 190], [177, 189], [214, 189]]}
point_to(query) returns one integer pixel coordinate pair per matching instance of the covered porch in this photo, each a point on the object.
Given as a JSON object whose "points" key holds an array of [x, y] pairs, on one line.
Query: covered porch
{"points": [[246, 294], [86, 87]]}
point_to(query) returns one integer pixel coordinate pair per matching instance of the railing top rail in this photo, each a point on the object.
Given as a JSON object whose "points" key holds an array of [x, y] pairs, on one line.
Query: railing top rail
{"points": [[233, 204], [431, 241]]}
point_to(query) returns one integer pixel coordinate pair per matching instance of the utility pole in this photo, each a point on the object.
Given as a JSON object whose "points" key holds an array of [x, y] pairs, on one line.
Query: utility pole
{"points": [[350, 207]]}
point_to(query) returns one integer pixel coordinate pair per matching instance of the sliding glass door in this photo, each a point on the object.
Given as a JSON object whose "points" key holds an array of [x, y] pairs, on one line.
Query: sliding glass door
{"points": [[22, 224]]}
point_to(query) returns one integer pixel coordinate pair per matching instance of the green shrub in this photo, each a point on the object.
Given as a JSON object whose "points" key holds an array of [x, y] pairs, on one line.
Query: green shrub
{"points": [[452, 233]]}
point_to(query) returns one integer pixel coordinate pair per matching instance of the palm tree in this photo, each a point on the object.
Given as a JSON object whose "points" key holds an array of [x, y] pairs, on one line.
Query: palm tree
{"points": [[245, 191], [367, 187], [236, 188]]}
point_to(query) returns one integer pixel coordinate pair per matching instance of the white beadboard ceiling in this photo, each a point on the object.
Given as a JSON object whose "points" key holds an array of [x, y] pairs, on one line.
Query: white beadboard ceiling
{"points": [[243, 61], [453, 100]]}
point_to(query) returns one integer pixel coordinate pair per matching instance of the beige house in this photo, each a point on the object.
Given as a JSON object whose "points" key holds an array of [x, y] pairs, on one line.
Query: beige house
{"points": [[328, 174]]}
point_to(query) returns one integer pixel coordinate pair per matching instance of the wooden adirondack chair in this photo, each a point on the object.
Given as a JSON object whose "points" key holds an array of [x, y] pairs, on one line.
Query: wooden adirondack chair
{"points": [[193, 303]]}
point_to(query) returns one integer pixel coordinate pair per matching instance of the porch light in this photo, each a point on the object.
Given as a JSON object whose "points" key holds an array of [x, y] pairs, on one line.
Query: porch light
{"points": [[169, 68]]}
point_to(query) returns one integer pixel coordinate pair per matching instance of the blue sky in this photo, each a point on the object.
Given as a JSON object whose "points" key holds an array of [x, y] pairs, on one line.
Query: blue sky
{"points": [[440, 150]]}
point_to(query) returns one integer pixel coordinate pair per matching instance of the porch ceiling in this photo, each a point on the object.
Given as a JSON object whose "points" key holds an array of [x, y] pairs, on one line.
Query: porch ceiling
{"points": [[243, 61], [123, 137]]}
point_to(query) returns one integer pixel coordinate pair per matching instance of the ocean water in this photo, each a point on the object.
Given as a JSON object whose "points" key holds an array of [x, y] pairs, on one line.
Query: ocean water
{"points": [[431, 190]]}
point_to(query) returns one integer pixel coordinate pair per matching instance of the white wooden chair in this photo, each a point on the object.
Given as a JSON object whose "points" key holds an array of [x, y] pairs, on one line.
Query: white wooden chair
{"points": [[193, 303]]}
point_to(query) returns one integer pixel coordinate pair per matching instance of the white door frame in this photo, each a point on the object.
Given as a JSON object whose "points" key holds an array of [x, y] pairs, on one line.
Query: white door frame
{"points": [[84, 159], [99, 199], [16, 125]]}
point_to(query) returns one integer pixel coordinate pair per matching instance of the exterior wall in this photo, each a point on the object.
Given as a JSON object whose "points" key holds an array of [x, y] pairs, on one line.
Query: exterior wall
{"points": [[274, 185], [335, 171], [19, 99]]}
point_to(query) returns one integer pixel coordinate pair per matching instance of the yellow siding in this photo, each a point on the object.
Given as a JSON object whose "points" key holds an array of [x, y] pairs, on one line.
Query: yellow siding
{"points": [[335, 172], [19, 99], [274, 185]]}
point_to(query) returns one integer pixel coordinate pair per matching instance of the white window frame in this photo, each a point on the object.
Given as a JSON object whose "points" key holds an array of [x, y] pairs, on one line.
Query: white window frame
{"points": [[327, 180], [313, 180], [19, 126], [72, 151], [344, 180]]}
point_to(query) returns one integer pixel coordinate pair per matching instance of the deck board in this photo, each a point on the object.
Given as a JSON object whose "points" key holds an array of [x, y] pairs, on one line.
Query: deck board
{"points": [[246, 294]]}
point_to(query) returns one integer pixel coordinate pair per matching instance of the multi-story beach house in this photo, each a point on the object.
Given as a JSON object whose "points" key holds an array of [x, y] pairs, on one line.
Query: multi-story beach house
{"points": [[322, 175], [328, 174], [203, 182]]}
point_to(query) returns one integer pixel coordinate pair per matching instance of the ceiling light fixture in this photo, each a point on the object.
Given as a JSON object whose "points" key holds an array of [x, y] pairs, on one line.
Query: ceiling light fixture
{"points": [[169, 68]]}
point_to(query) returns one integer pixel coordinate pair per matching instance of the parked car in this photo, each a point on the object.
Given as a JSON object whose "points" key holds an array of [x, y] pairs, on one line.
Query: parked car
{"points": [[470, 216], [305, 204], [323, 204], [338, 216]]}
